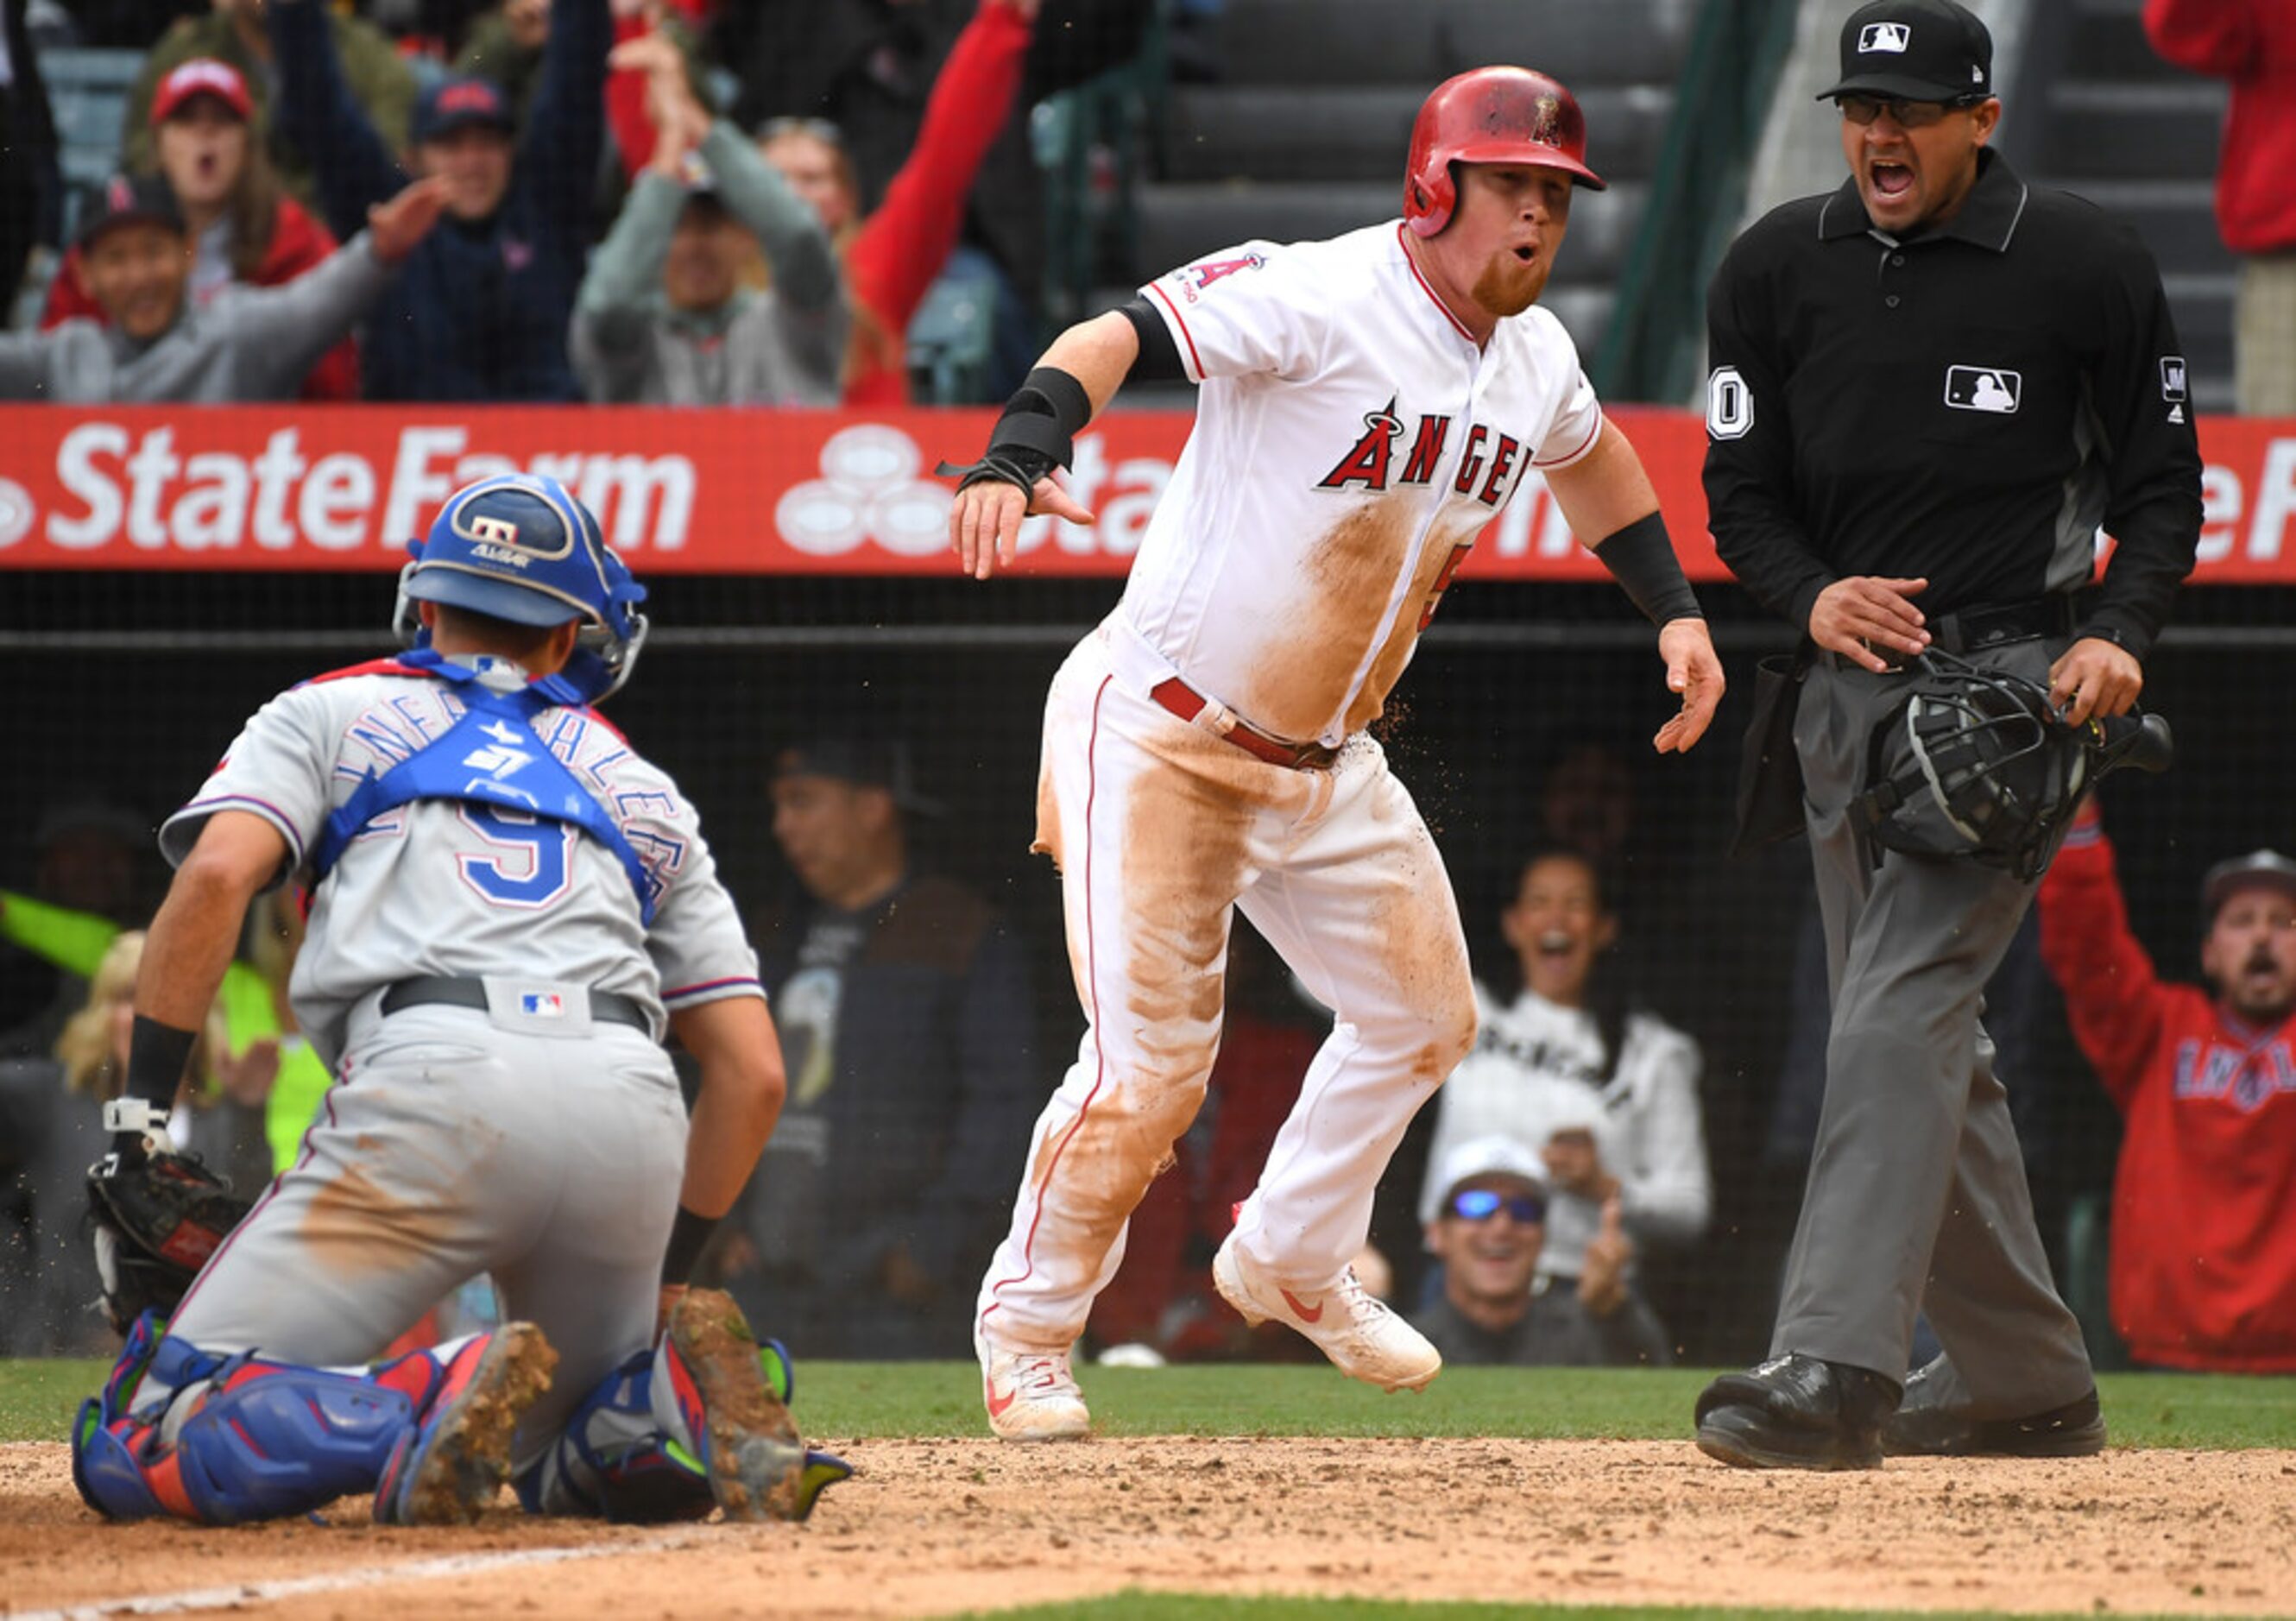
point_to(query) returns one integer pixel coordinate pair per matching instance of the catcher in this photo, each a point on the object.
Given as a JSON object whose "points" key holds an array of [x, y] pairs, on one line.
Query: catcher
{"points": [[508, 905]]}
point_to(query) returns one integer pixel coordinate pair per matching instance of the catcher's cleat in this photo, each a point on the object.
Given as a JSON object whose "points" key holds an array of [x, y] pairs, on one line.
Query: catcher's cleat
{"points": [[742, 1435], [1796, 1411], [448, 1468], [1934, 1421], [1030, 1396], [1362, 1338]]}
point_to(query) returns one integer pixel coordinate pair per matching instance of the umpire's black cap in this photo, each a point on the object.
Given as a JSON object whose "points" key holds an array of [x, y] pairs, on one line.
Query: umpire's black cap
{"points": [[1915, 51]]}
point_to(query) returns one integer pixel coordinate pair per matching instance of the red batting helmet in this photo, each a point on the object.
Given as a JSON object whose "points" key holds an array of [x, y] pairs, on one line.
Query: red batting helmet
{"points": [[1491, 115]]}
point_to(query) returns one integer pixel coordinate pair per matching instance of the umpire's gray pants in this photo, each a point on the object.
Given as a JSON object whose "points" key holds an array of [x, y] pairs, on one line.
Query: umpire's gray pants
{"points": [[1916, 1195]]}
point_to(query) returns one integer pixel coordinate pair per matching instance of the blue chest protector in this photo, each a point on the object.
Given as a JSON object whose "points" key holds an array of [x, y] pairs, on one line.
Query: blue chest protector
{"points": [[479, 759]]}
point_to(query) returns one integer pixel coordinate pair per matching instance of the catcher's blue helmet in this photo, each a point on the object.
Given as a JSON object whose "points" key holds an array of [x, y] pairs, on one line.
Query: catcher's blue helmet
{"points": [[520, 547]]}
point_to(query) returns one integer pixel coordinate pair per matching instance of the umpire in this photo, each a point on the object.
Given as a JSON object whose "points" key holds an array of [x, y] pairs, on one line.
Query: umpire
{"points": [[1929, 390]]}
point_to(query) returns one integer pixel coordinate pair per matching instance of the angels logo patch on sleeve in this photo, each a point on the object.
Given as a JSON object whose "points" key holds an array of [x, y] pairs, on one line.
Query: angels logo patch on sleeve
{"points": [[1195, 278]]}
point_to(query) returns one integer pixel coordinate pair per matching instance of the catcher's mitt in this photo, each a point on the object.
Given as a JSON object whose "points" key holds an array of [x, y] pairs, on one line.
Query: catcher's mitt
{"points": [[158, 1217]]}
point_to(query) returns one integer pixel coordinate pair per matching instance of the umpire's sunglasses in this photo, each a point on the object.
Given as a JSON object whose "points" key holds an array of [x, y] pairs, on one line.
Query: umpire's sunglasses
{"points": [[1482, 1204], [1863, 110]]}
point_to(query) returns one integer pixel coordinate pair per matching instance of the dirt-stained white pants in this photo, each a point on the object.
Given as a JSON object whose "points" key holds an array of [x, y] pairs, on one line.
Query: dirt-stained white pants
{"points": [[1162, 828]]}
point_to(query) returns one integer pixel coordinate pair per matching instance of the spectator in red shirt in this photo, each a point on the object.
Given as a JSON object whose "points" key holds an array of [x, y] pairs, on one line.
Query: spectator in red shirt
{"points": [[2203, 1255], [2253, 43], [242, 226], [892, 256]]}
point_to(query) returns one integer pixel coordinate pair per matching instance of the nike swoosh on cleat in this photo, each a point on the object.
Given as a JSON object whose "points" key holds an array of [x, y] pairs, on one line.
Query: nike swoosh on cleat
{"points": [[1301, 1307], [998, 1404]]}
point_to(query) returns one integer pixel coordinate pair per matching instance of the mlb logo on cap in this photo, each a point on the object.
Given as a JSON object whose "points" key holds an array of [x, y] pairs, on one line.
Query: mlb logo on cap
{"points": [[1885, 37], [543, 1004]]}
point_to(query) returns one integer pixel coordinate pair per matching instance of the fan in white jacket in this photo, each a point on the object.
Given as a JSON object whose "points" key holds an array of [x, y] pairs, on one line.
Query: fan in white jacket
{"points": [[1608, 1098]]}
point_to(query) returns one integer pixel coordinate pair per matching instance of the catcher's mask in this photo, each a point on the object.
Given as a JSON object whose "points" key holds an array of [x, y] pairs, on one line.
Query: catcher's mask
{"points": [[520, 547], [1978, 762]]}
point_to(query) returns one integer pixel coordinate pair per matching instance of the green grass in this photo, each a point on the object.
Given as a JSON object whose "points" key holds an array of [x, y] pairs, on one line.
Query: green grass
{"points": [[1133, 1606], [878, 1400]]}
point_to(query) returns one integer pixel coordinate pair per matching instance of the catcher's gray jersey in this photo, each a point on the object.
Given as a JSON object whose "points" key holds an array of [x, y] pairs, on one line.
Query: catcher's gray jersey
{"points": [[444, 887]]}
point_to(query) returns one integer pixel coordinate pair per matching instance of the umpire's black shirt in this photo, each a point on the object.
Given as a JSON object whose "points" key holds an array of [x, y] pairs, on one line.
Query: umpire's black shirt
{"points": [[1966, 406]]}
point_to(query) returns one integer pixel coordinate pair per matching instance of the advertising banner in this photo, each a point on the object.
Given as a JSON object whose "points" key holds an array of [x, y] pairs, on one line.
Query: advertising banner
{"points": [[774, 491]]}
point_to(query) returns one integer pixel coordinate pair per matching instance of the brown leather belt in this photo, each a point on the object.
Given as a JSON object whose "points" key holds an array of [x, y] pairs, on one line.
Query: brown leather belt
{"points": [[1185, 701]]}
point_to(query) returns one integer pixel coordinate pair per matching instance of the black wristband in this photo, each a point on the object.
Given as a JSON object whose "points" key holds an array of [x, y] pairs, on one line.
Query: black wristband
{"points": [[1641, 558], [1056, 394], [688, 1234], [158, 1055]]}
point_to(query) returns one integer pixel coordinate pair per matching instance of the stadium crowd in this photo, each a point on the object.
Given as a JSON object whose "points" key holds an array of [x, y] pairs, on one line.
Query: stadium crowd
{"points": [[678, 202]]}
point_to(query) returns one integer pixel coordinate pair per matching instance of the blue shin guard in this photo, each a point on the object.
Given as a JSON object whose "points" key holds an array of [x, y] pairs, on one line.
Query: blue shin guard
{"points": [[615, 1460], [636, 1450], [263, 1440]]}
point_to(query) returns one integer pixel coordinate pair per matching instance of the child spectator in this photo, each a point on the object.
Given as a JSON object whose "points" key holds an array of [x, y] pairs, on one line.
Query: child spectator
{"points": [[241, 226], [375, 80], [663, 317], [2204, 1257], [155, 344], [482, 311], [892, 256]]}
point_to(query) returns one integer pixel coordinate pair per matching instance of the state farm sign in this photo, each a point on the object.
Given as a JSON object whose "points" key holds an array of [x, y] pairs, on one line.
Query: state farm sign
{"points": [[767, 492], [144, 487]]}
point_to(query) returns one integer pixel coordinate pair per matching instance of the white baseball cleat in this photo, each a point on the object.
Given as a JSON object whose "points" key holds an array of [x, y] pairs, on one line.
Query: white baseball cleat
{"points": [[1362, 1336], [1031, 1396]]}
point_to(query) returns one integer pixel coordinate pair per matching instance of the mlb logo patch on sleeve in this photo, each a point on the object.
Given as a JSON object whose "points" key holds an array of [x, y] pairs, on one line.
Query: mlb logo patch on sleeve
{"points": [[2172, 377], [1988, 388]]}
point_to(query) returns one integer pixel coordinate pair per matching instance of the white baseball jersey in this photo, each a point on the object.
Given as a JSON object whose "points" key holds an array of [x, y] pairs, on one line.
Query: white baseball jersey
{"points": [[1537, 1068], [441, 887], [1308, 532]]}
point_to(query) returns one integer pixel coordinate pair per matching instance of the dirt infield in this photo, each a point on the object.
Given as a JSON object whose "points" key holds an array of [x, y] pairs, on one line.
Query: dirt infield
{"points": [[933, 1526]]}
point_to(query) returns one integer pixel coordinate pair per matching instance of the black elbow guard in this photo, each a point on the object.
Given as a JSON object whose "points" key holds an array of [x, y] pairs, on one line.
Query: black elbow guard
{"points": [[1160, 356]]}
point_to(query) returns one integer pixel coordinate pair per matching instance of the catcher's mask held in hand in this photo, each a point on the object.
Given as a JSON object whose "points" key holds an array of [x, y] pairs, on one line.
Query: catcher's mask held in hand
{"points": [[520, 547], [1977, 763]]}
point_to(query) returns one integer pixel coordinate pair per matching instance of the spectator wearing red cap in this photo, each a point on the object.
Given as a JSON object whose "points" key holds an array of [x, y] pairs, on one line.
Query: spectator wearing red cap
{"points": [[241, 226], [2203, 1255], [156, 344], [374, 77], [482, 310]]}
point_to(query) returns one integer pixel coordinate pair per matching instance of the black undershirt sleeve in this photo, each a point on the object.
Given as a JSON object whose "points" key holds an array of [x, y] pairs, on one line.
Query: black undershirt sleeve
{"points": [[1160, 356]]}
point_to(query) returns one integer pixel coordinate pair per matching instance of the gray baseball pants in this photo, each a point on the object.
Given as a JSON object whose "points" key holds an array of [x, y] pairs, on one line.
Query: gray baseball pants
{"points": [[1916, 1197]]}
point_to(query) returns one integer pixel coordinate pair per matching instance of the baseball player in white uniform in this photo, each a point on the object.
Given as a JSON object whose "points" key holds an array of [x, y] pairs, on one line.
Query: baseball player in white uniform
{"points": [[1368, 404], [508, 906]]}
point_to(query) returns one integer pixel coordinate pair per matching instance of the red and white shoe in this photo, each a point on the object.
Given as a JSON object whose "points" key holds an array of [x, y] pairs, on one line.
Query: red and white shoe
{"points": [[1362, 1336], [1031, 1396]]}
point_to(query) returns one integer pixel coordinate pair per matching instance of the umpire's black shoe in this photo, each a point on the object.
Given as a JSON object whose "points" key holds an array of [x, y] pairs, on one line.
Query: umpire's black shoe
{"points": [[1796, 1411], [1929, 1425]]}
